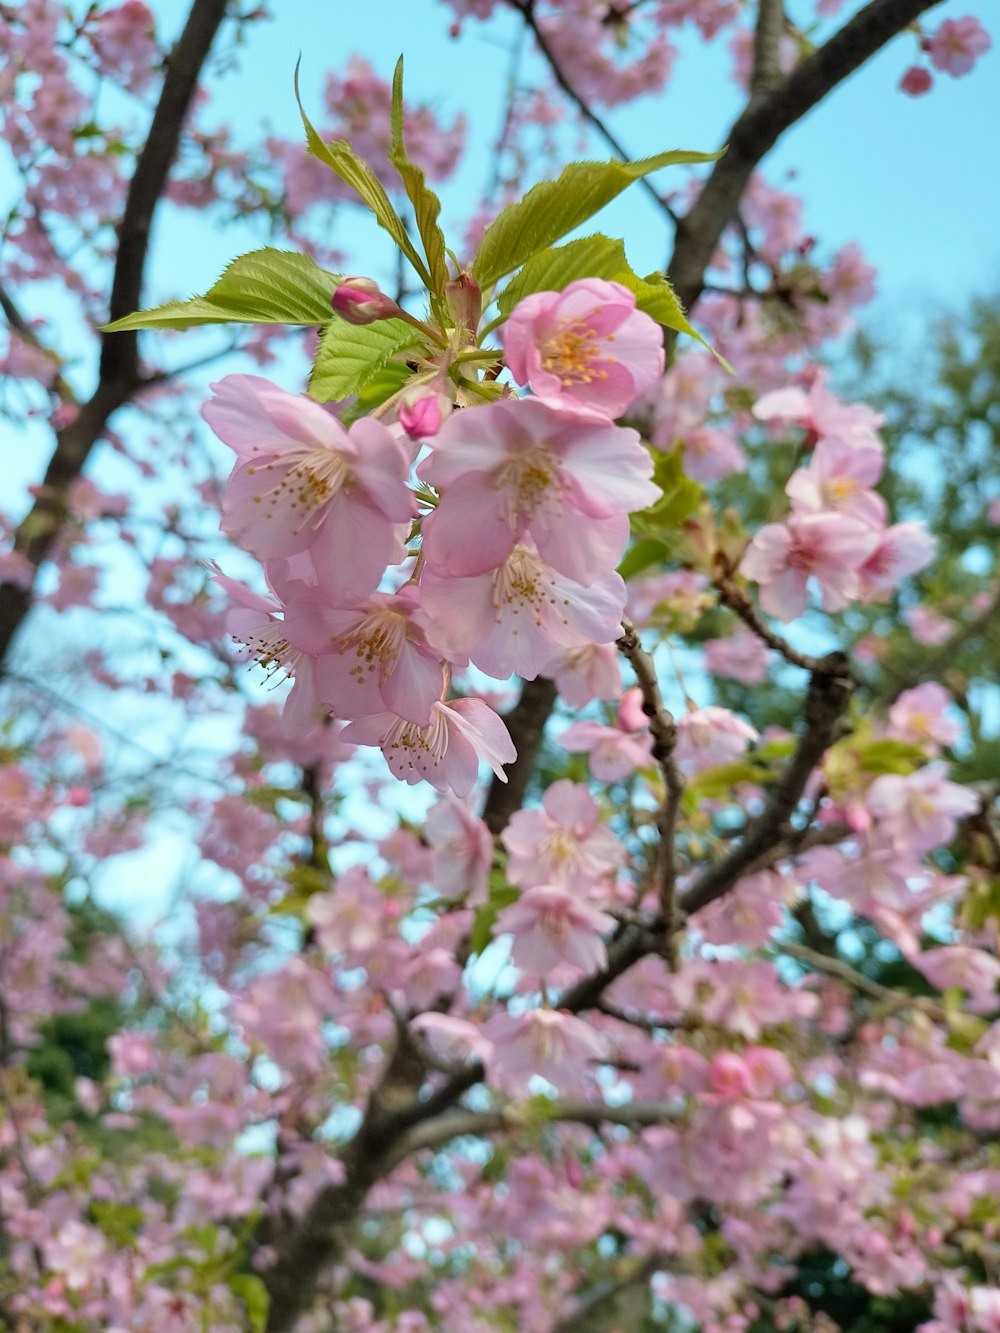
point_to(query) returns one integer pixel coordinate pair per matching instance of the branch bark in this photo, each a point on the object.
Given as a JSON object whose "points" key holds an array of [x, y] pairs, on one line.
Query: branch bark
{"points": [[119, 377], [762, 122]]}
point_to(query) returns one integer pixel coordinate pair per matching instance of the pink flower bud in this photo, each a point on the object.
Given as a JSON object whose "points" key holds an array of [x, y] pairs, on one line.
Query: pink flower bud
{"points": [[630, 714], [78, 796], [421, 415], [916, 81], [361, 301]]}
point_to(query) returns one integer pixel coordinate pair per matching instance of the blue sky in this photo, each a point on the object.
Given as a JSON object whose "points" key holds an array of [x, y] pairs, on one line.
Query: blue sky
{"points": [[915, 181]]}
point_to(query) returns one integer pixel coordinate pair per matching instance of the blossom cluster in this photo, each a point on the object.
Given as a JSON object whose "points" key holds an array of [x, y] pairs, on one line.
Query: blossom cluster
{"points": [[522, 504], [838, 531]]}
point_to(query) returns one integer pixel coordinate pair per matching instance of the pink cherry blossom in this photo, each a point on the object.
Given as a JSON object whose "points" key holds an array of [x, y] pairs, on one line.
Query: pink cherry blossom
{"points": [[463, 851], [838, 478], [455, 1039], [919, 811], [741, 656], [370, 658], [920, 715], [710, 736], [522, 466], [902, 549], [956, 966], [926, 626], [551, 927], [509, 620], [587, 344], [822, 413], [445, 752], [563, 843], [549, 1043], [614, 753], [583, 674], [830, 548], [710, 453], [302, 482], [957, 45]]}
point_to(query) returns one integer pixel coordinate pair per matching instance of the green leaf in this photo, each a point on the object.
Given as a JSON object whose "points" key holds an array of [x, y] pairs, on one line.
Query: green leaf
{"points": [[502, 895], [264, 287], [655, 296], [551, 270], [426, 204], [552, 208], [641, 554], [716, 783], [250, 1289], [350, 356], [889, 756], [680, 499], [354, 171]]}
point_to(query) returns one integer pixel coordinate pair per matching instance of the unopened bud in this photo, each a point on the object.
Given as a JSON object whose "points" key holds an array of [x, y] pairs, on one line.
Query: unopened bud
{"points": [[362, 301], [465, 301], [422, 413]]}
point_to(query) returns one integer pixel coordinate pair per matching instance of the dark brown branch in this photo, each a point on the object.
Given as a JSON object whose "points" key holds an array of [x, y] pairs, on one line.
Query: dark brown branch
{"points": [[769, 30], [27, 334], [765, 119], [828, 696], [664, 733], [119, 378], [736, 599], [526, 724]]}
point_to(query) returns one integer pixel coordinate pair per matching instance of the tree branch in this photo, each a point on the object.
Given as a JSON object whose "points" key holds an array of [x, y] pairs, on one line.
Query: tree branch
{"points": [[119, 378], [526, 8], [770, 29], [762, 122], [828, 696], [664, 733], [526, 724]]}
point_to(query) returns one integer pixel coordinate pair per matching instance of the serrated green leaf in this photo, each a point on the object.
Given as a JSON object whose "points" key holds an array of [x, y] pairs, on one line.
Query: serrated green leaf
{"points": [[250, 1289], [655, 296], [551, 270], [426, 204], [680, 499], [552, 208], [354, 171], [264, 287], [350, 356]]}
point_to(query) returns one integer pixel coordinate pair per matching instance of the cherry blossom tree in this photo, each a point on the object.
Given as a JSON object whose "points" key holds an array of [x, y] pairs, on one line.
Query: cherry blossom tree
{"points": [[599, 928]]}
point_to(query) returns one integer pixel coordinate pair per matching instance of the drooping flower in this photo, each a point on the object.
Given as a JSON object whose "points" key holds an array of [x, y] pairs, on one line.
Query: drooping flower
{"points": [[553, 928], [902, 549], [511, 618], [463, 851], [551, 1043], [712, 735], [588, 344], [372, 657], [445, 752]]}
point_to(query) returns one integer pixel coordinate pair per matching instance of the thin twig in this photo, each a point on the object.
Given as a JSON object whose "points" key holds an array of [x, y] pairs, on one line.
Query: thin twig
{"points": [[663, 729], [733, 596], [526, 8]]}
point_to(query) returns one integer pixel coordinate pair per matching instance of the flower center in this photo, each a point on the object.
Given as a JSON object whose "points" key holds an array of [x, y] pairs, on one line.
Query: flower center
{"points": [[304, 481], [571, 353], [269, 648], [377, 643], [419, 748], [527, 481]]}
